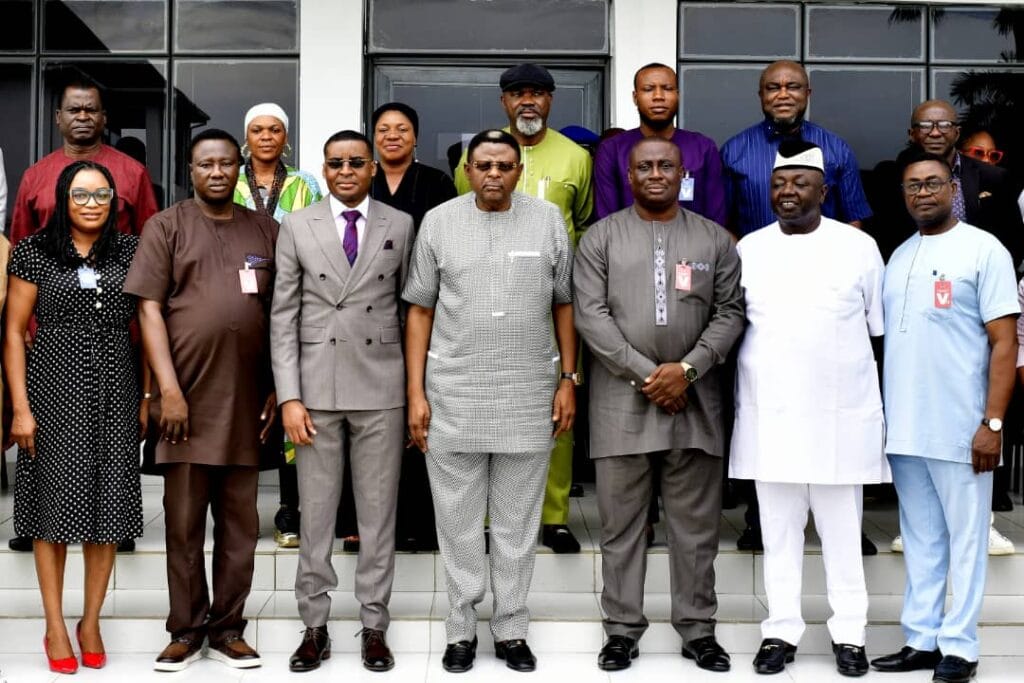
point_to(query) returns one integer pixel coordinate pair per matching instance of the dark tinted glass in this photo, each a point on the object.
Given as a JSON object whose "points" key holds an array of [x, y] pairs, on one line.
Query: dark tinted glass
{"points": [[17, 29], [473, 26], [719, 101], [864, 32], [744, 31], [238, 26], [135, 99], [217, 95], [984, 34], [454, 103], [16, 135], [110, 26]]}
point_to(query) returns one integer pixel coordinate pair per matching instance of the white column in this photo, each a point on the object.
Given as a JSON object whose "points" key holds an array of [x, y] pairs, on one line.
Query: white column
{"points": [[643, 31], [330, 74]]}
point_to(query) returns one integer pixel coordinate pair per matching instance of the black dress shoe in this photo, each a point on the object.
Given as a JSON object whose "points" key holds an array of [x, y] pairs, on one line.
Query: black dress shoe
{"points": [[750, 539], [126, 546], [458, 657], [617, 653], [953, 669], [907, 659], [576, 491], [376, 653], [516, 654], [1001, 502], [707, 653], [850, 659], [20, 544], [315, 647], [559, 538], [773, 656], [867, 548]]}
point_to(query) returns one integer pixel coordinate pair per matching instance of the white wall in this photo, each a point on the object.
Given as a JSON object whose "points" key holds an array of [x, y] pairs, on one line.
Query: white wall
{"points": [[642, 31]]}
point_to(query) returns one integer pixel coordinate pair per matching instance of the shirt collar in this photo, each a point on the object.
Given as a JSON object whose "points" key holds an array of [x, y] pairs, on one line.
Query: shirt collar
{"points": [[956, 165], [337, 207]]}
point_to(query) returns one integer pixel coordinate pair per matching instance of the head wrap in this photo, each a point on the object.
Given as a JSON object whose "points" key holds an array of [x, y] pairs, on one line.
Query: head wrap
{"points": [[799, 154], [266, 109]]}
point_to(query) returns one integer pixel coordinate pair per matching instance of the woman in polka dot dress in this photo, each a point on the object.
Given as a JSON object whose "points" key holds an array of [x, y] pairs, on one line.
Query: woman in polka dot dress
{"points": [[75, 397]]}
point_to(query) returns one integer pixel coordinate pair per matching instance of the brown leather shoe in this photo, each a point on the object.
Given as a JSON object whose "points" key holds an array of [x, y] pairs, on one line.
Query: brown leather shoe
{"points": [[179, 654], [376, 653], [234, 652], [315, 648]]}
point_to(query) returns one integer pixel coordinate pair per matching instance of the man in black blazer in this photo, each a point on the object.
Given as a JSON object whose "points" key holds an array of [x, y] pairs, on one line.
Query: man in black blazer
{"points": [[986, 200]]}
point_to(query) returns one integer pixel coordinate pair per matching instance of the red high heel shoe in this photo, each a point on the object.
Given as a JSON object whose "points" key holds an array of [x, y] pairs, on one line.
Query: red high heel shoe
{"points": [[67, 665], [93, 660]]}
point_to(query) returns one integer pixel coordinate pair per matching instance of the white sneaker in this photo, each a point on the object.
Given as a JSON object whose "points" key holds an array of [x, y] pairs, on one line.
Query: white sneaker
{"points": [[897, 545], [999, 544]]}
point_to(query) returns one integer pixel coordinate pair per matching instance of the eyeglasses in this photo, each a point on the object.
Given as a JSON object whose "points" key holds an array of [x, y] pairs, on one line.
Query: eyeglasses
{"points": [[354, 162], [82, 197], [933, 185], [993, 156], [927, 126], [502, 166]]}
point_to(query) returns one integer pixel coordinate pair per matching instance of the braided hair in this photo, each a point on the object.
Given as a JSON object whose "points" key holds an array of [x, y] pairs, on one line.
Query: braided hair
{"points": [[55, 237]]}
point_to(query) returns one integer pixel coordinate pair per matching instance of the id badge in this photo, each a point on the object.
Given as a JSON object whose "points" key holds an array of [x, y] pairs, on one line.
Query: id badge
{"points": [[247, 278], [87, 277], [943, 293], [686, 188], [683, 277]]}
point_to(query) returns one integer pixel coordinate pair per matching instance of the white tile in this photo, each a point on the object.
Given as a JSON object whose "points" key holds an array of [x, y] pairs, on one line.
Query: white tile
{"points": [[153, 604], [488, 669], [346, 666], [672, 668]]}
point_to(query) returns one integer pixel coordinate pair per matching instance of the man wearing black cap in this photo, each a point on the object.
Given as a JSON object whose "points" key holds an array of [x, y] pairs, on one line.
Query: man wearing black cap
{"points": [[556, 169]]}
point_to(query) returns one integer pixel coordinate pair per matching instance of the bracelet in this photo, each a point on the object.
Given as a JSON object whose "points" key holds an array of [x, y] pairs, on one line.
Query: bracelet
{"points": [[146, 396]]}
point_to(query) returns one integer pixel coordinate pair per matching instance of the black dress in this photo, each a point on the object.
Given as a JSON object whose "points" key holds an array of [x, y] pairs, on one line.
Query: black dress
{"points": [[83, 483], [422, 188]]}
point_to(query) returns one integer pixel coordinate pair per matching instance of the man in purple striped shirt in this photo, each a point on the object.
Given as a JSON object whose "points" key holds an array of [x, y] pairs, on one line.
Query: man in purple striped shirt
{"points": [[656, 96]]}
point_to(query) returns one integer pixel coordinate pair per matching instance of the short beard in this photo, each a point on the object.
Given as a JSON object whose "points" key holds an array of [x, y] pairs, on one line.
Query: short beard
{"points": [[529, 127], [657, 125]]}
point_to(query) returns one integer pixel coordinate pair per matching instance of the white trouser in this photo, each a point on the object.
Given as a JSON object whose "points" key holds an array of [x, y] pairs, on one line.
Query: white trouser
{"points": [[837, 516]]}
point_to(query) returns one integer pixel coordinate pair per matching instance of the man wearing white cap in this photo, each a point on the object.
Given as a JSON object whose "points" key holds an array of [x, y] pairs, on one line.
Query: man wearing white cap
{"points": [[809, 427]]}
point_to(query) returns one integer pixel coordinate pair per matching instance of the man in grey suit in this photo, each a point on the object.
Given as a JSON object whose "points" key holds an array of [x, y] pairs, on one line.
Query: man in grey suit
{"points": [[336, 330], [657, 299]]}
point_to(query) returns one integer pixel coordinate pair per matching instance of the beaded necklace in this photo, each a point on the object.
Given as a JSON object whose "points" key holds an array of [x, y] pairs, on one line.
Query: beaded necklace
{"points": [[280, 173]]}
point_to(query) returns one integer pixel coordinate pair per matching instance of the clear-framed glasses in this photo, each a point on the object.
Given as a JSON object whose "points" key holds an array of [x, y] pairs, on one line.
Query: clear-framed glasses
{"points": [[354, 162], [502, 166], [81, 196], [933, 185], [927, 126]]}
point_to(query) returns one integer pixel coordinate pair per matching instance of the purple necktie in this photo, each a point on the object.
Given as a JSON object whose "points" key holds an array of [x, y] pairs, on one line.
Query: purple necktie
{"points": [[351, 241]]}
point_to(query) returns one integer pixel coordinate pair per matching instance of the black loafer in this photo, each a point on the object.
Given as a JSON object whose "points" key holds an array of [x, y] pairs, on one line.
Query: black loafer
{"points": [[559, 539], [516, 654], [617, 653], [707, 653], [908, 659], [20, 544], [867, 548], [750, 539], [773, 656], [458, 657], [953, 669], [851, 660]]}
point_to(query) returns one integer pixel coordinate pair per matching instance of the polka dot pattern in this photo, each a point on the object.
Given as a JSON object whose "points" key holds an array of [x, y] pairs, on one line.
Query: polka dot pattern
{"points": [[83, 484]]}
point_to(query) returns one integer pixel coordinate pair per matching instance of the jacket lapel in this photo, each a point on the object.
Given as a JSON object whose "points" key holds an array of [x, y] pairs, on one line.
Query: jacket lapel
{"points": [[325, 231], [377, 227]]}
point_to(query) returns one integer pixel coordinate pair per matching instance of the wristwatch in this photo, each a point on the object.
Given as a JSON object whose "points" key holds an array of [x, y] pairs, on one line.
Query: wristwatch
{"points": [[995, 424], [689, 372], [574, 377]]}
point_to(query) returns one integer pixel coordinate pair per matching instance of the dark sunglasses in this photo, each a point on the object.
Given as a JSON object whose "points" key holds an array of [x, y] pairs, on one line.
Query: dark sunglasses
{"points": [[993, 156], [354, 162], [502, 166]]}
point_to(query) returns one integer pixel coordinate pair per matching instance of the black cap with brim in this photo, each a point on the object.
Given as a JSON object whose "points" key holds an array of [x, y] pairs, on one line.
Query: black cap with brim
{"points": [[527, 75]]}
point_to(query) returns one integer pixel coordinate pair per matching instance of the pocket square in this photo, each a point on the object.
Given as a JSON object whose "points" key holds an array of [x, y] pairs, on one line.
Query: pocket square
{"points": [[388, 244], [984, 194]]}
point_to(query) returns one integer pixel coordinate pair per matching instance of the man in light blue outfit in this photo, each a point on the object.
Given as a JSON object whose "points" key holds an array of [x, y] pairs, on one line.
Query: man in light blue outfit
{"points": [[950, 350]]}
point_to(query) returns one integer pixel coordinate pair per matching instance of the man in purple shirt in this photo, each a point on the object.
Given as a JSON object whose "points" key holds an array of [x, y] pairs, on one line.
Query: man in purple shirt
{"points": [[657, 101]]}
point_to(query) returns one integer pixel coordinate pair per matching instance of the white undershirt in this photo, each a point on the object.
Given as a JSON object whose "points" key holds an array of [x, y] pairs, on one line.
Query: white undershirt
{"points": [[339, 221]]}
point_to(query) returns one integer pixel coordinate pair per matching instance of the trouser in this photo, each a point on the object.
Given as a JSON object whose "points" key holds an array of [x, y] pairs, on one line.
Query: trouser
{"points": [[372, 441], [944, 520], [556, 491], [466, 487], [229, 493], [289, 481], [691, 488], [837, 516]]}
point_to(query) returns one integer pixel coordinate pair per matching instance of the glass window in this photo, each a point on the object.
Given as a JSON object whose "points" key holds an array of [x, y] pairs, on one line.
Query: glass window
{"points": [[719, 101], [869, 107], [210, 94], [135, 99], [865, 33], [18, 28], [109, 26], [978, 34], [566, 26], [741, 31], [453, 102], [237, 26], [16, 94]]}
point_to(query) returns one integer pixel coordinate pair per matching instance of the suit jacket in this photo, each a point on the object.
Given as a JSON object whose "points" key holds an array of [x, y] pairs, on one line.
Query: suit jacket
{"points": [[335, 329], [989, 203]]}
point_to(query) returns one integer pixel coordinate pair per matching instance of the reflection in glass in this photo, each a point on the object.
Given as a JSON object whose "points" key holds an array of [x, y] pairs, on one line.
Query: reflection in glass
{"points": [[573, 26], [109, 26], [985, 34], [745, 31], [16, 134], [238, 26], [863, 32], [17, 30], [719, 101], [217, 94]]}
